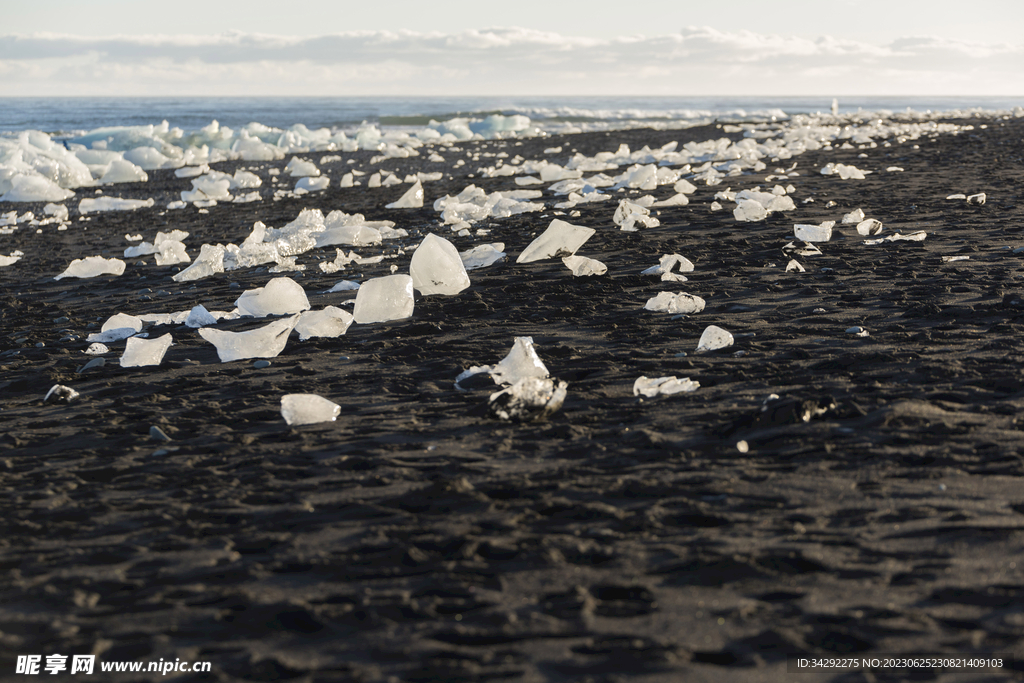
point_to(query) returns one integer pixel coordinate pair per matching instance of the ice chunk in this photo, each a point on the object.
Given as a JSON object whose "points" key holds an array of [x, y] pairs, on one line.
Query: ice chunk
{"points": [[665, 386], [140, 352], [58, 211], [209, 261], [794, 267], [520, 363], [350, 235], [976, 199], [307, 409], [301, 167], [123, 171], [116, 328], [97, 349], [665, 266], [630, 216], [280, 296], [749, 210], [675, 303], [957, 196], [482, 255], [855, 216], [951, 259], [89, 205], [330, 322], [437, 268], [912, 237], [93, 266], [684, 187], [14, 257], [714, 338], [869, 227], [191, 171], [312, 184], [528, 399], [200, 317], [59, 393], [384, 298], [560, 239], [582, 266], [675, 200], [264, 342], [343, 286], [814, 233], [34, 188], [412, 199]]}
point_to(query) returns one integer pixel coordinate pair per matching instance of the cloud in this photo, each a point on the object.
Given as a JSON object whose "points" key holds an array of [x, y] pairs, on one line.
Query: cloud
{"points": [[497, 61]]}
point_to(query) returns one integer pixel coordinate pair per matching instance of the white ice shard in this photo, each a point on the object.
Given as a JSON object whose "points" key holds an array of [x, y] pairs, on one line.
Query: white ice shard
{"points": [[437, 268], [675, 303], [14, 257], [97, 349], [684, 187], [665, 386], [631, 216], [307, 409], [531, 398], [117, 327], [209, 261], [957, 196], [918, 236], [312, 184], [33, 188], [675, 200], [976, 199], [140, 352], [384, 298], [301, 167], [412, 199], [280, 296], [330, 322], [264, 342], [474, 204], [582, 266], [666, 264], [343, 286], [89, 205], [561, 239], [855, 216], [869, 227], [714, 338], [122, 171], [814, 233], [200, 317], [521, 362], [794, 267], [749, 210], [843, 171], [58, 211], [191, 171], [349, 235], [482, 255], [93, 266]]}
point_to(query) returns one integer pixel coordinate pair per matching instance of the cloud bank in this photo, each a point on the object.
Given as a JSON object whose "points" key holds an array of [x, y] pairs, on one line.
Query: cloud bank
{"points": [[503, 61]]}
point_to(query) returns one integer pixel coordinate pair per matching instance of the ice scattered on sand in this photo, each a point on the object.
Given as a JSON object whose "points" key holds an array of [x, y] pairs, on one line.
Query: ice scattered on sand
{"points": [[90, 205], [14, 257], [857, 331], [412, 199], [264, 342], [474, 204], [306, 409], [59, 393], [794, 267], [681, 302], [191, 171], [482, 255], [667, 264], [684, 187], [855, 216], [843, 171], [714, 338], [383, 299], [528, 399], [674, 200], [123, 171], [117, 327], [298, 168], [976, 199], [24, 188], [280, 296], [329, 322], [97, 349], [93, 266], [58, 211], [869, 227], [200, 317], [953, 259], [95, 363], [209, 261], [814, 233], [918, 236], [437, 268], [665, 386], [561, 239], [343, 286], [957, 196], [141, 352], [582, 266], [748, 210], [802, 249], [520, 363], [168, 248], [305, 185]]}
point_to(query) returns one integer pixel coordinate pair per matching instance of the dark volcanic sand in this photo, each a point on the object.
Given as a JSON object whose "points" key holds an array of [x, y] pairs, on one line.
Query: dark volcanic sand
{"points": [[416, 539]]}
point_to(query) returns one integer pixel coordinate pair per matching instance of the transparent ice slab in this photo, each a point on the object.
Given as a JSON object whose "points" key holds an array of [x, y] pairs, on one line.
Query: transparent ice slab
{"points": [[264, 342], [305, 409], [437, 268], [140, 352], [561, 239], [384, 298]]}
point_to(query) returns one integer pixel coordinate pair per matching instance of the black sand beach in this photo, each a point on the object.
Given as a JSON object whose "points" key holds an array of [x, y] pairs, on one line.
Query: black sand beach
{"points": [[418, 539]]}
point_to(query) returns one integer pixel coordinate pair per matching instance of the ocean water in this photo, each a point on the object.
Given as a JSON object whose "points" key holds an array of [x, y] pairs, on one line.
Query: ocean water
{"points": [[70, 116]]}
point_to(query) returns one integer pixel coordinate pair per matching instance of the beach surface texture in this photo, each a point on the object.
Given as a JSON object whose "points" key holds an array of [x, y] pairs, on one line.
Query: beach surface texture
{"points": [[842, 480]]}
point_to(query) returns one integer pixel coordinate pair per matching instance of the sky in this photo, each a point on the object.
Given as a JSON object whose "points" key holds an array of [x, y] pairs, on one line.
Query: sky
{"points": [[527, 47]]}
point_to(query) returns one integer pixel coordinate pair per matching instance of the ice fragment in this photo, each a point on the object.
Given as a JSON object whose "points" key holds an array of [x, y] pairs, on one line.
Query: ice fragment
{"points": [[663, 385], [412, 199], [582, 266], [437, 268], [305, 409], [482, 255], [814, 233], [384, 298], [93, 266], [200, 317], [561, 239], [140, 352], [869, 227], [280, 296], [976, 199], [528, 399], [675, 303], [264, 342], [330, 322], [59, 393], [713, 338]]}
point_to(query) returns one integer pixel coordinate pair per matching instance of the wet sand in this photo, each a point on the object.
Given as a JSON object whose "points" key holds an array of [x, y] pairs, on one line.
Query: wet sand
{"points": [[417, 539]]}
